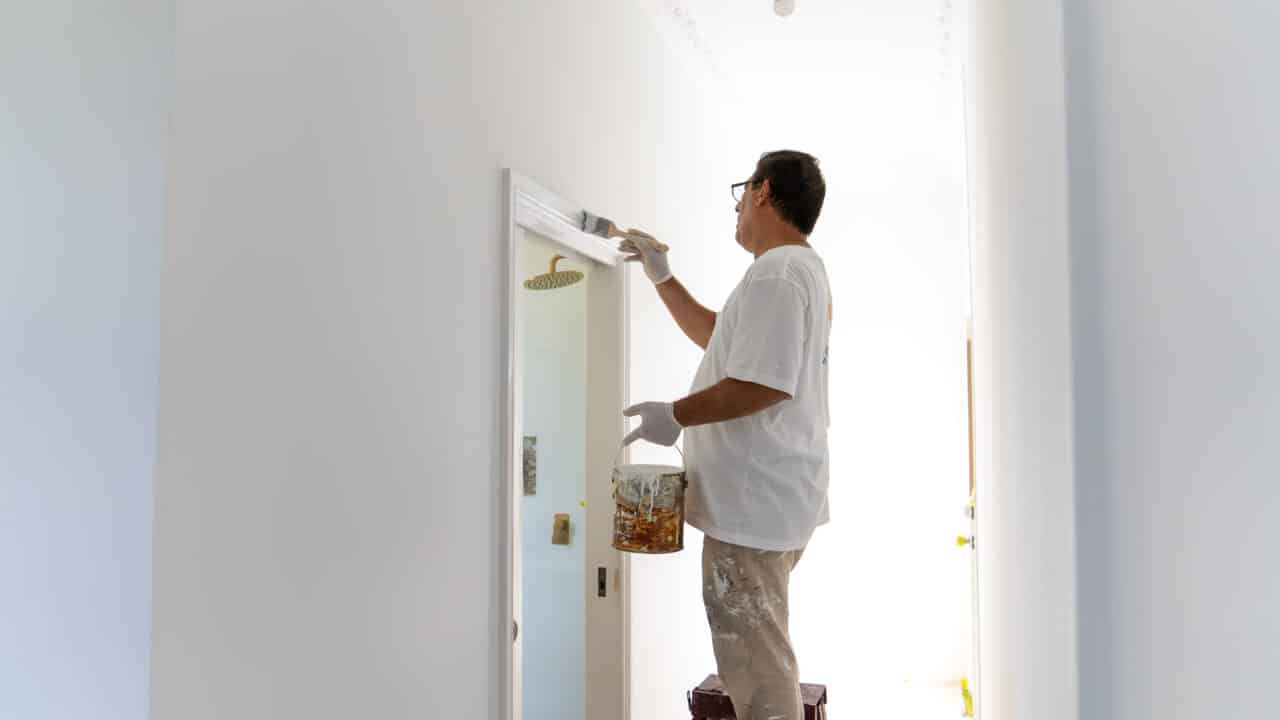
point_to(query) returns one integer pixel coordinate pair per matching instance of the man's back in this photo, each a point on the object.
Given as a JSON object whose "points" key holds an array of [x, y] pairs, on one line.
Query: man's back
{"points": [[761, 480]]}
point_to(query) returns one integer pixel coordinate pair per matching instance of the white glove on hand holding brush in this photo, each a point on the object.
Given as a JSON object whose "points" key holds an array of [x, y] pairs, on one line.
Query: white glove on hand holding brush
{"points": [[643, 247]]}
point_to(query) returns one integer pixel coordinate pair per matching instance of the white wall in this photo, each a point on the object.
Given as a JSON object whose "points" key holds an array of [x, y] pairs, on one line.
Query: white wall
{"points": [[1177, 336], [1022, 327], [1167, 248], [554, 382], [328, 490], [84, 90]]}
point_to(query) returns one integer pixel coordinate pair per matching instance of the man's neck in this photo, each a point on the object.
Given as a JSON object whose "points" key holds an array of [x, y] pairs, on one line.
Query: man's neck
{"points": [[784, 238]]}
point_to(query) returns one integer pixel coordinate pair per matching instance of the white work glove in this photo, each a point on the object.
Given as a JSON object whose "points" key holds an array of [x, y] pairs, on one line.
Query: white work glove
{"points": [[643, 247], [657, 423]]}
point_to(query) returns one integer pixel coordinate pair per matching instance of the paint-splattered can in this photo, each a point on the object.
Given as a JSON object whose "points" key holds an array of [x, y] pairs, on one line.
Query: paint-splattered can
{"points": [[649, 517]]}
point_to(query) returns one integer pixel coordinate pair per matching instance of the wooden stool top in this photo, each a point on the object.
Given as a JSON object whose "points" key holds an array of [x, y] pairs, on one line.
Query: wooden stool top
{"points": [[709, 701]]}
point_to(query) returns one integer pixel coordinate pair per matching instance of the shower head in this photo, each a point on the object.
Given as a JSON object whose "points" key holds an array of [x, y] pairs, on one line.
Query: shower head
{"points": [[553, 278]]}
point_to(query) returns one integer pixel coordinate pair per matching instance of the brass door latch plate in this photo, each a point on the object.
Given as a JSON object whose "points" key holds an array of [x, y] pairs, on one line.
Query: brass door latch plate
{"points": [[560, 530]]}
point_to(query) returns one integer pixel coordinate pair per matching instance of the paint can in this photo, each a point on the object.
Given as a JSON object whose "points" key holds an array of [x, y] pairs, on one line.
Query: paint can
{"points": [[649, 513]]}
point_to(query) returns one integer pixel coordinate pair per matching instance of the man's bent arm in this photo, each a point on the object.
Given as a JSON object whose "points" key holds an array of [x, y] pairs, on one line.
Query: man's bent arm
{"points": [[695, 320], [728, 399]]}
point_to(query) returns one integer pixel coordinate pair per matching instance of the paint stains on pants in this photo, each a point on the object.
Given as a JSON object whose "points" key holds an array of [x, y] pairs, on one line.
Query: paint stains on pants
{"points": [[745, 593]]}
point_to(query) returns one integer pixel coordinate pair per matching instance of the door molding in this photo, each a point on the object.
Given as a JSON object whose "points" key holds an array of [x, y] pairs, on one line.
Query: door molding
{"points": [[534, 208]]}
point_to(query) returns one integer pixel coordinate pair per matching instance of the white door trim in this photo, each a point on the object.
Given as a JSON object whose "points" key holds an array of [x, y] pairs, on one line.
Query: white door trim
{"points": [[535, 214], [532, 207]]}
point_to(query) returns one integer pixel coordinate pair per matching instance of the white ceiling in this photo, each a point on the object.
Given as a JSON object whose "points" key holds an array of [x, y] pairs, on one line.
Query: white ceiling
{"points": [[822, 41]]}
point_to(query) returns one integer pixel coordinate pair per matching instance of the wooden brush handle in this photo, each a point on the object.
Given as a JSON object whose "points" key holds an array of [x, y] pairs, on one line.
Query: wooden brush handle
{"points": [[615, 232]]}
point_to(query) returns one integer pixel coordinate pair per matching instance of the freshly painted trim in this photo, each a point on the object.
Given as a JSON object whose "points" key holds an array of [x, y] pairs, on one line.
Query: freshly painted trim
{"points": [[538, 210]]}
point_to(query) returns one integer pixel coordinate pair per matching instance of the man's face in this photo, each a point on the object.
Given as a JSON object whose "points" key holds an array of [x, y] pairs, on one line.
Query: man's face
{"points": [[748, 214]]}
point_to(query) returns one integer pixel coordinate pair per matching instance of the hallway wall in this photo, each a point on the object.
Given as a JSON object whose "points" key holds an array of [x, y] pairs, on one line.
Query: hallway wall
{"points": [[1174, 166], [327, 523], [84, 101]]}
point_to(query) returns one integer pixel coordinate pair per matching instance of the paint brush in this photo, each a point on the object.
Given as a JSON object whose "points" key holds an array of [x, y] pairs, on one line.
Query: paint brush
{"points": [[605, 228]]}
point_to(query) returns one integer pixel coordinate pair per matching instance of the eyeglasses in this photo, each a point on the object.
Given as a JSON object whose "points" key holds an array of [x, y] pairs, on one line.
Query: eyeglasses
{"points": [[739, 189]]}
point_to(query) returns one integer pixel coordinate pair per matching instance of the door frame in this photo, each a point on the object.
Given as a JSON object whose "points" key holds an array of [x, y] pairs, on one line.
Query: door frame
{"points": [[532, 207]]}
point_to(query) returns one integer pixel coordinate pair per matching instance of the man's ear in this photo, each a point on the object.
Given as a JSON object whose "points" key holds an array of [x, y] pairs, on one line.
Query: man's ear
{"points": [[765, 195]]}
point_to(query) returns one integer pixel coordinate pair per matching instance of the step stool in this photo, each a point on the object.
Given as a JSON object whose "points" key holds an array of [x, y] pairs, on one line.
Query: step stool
{"points": [[709, 701]]}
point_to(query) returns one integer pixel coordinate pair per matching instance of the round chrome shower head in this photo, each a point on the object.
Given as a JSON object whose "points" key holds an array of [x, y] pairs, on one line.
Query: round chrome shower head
{"points": [[553, 278]]}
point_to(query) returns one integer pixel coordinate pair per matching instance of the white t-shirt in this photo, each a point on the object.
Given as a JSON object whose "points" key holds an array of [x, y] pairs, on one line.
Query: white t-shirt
{"points": [[761, 481]]}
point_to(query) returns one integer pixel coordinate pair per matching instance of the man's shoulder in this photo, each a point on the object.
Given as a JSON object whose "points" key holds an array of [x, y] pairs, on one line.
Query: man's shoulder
{"points": [[798, 265]]}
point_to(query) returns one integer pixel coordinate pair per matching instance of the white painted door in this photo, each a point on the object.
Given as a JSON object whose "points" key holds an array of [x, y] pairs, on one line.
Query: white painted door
{"points": [[570, 651]]}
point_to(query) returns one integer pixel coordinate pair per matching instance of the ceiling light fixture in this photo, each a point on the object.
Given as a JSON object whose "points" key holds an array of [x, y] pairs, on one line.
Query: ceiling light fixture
{"points": [[784, 7]]}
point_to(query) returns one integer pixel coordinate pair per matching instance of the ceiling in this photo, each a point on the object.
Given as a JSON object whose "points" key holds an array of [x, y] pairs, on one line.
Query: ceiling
{"points": [[824, 40]]}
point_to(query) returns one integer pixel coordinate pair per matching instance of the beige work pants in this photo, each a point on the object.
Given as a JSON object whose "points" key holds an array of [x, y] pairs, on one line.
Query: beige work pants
{"points": [[745, 593]]}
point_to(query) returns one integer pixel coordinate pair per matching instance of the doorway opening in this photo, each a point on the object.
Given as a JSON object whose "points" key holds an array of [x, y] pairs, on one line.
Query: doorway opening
{"points": [[565, 585]]}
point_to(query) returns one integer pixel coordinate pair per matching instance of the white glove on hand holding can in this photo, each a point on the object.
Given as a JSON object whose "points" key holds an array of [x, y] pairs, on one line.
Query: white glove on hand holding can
{"points": [[657, 423]]}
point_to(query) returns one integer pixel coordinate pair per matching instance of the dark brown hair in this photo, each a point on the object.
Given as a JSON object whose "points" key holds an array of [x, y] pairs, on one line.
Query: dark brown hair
{"points": [[797, 187]]}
